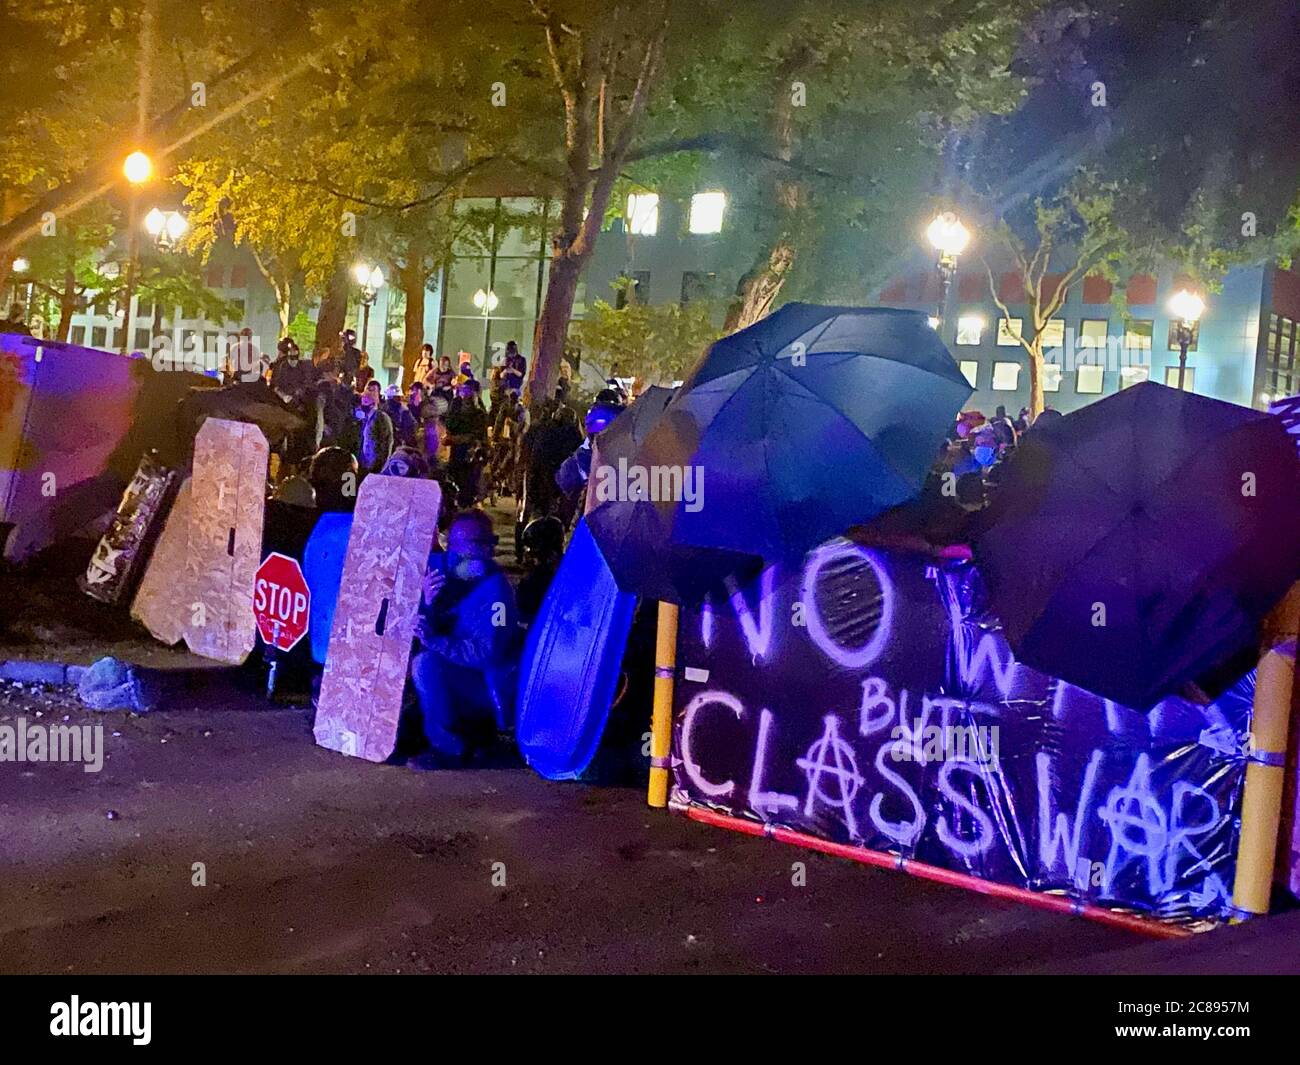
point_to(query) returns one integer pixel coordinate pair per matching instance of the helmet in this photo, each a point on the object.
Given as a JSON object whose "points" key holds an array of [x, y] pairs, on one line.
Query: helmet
{"points": [[544, 536], [296, 491], [599, 415], [406, 462], [349, 335], [610, 397], [330, 468], [286, 345]]}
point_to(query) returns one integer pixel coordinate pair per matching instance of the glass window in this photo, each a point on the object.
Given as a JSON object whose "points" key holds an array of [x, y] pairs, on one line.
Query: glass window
{"points": [[1132, 375], [1093, 332], [970, 328], [706, 212], [970, 370], [143, 338], [1006, 376], [516, 226], [1137, 334], [697, 285], [98, 336], [1189, 381], [464, 334], [643, 214], [1053, 334], [1009, 332], [1051, 377], [77, 335], [1088, 380]]}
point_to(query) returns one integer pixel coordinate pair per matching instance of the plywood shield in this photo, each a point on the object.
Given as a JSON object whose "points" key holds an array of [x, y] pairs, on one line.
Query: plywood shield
{"points": [[393, 531]]}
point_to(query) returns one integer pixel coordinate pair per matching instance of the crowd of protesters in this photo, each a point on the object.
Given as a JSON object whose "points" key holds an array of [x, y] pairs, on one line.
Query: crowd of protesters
{"points": [[442, 426]]}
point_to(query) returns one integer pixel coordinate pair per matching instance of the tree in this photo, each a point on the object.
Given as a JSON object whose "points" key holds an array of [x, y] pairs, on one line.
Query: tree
{"points": [[653, 343], [1074, 235]]}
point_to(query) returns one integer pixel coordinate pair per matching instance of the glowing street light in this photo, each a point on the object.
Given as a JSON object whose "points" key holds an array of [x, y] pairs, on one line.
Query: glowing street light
{"points": [[485, 301], [166, 227], [949, 238], [138, 168], [1187, 308]]}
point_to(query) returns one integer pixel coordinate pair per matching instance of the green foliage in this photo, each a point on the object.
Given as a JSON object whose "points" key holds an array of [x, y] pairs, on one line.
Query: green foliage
{"points": [[656, 343]]}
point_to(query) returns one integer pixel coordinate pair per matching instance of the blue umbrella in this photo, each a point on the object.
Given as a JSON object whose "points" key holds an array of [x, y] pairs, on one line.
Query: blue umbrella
{"points": [[812, 420], [1134, 545], [635, 534]]}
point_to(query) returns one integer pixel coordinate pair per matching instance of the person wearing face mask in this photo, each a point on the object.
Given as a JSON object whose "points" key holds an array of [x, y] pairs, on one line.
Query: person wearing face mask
{"points": [[468, 644], [376, 431]]}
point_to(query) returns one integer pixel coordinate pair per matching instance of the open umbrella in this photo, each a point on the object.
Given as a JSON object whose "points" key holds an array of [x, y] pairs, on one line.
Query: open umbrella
{"points": [[1135, 544], [634, 534], [807, 422]]}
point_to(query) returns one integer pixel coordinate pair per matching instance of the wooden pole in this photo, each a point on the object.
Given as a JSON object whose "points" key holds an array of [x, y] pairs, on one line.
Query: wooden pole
{"points": [[1261, 804], [661, 723]]}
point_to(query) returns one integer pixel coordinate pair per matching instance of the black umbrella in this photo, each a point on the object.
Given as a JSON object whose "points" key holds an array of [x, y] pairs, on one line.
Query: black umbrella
{"points": [[1135, 544], [807, 422], [635, 534]]}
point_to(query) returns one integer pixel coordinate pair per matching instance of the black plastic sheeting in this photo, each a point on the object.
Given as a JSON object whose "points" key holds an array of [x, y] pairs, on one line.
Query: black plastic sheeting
{"points": [[869, 697]]}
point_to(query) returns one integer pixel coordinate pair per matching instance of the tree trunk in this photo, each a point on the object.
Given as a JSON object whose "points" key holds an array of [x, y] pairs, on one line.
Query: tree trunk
{"points": [[67, 304], [553, 327], [333, 312], [759, 288], [414, 280], [1035, 381]]}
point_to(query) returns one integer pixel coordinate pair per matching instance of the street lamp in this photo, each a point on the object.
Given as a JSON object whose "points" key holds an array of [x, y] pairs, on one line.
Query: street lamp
{"points": [[949, 238], [166, 227], [138, 169], [1187, 308], [486, 301], [371, 280]]}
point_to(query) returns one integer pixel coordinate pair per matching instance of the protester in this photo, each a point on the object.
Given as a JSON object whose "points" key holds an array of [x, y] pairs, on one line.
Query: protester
{"points": [[468, 639], [542, 544], [349, 360], [333, 476], [365, 372], [546, 445], [574, 472], [293, 378], [335, 407], [467, 425], [423, 370], [444, 378], [465, 362], [515, 368], [376, 432], [15, 322], [406, 461], [400, 414]]}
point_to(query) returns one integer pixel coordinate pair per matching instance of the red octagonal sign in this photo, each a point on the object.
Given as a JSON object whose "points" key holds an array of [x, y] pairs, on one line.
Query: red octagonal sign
{"points": [[281, 601]]}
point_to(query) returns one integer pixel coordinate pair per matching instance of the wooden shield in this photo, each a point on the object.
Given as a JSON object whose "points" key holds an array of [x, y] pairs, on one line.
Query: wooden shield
{"points": [[225, 539], [162, 603], [393, 531]]}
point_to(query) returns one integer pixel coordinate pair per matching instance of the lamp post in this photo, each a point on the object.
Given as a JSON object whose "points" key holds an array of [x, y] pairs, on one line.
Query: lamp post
{"points": [[371, 280], [486, 302], [949, 238], [1187, 308], [137, 168], [166, 227]]}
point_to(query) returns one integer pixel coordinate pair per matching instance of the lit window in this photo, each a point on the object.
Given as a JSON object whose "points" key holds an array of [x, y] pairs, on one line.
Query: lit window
{"points": [[1088, 381], [1137, 334], [1009, 332], [970, 370], [1092, 333], [970, 327], [643, 214], [1006, 376], [1051, 377], [706, 212], [1053, 335], [1189, 381], [1133, 375]]}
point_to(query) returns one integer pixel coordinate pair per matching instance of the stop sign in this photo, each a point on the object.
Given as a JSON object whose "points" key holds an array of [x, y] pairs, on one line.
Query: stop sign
{"points": [[281, 601]]}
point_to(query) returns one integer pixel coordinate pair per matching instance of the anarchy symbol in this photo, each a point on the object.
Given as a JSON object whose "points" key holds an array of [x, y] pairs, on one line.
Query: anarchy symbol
{"points": [[830, 756]]}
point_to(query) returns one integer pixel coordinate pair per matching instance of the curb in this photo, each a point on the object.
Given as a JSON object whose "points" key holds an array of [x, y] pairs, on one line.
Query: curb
{"points": [[27, 672]]}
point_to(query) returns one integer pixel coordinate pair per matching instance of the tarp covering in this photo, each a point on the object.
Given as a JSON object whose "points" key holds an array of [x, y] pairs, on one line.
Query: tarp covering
{"points": [[869, 697]]}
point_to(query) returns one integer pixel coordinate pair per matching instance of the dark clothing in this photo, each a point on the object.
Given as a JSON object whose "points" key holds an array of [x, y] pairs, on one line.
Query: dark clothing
{"points": [[516, 368], [349, 364], [467, 426], [545, 447], [376, 440], [16, 326], [404, 422], [338, 424], [293, 378]]}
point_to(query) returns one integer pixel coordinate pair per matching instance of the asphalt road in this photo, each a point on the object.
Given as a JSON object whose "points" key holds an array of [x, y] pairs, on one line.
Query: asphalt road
{"points": [[315, 862]]}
